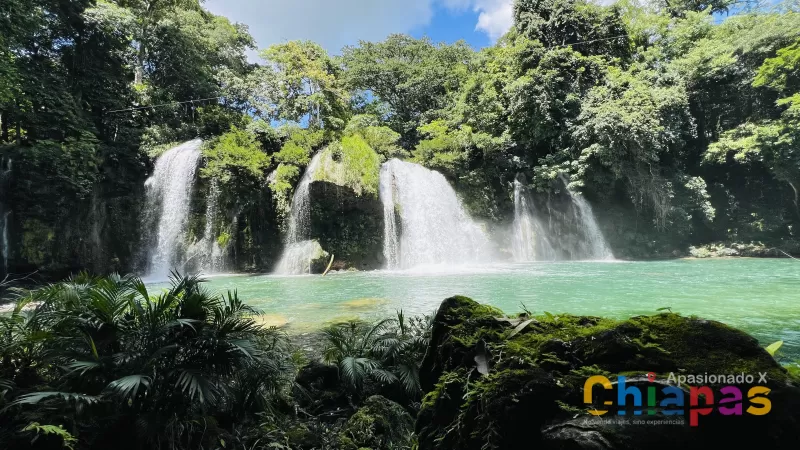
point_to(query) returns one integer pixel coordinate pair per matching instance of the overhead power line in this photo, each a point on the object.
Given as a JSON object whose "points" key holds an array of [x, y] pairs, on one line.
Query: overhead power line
{"points": [[164, 104], [138, 108], [590, 41]]}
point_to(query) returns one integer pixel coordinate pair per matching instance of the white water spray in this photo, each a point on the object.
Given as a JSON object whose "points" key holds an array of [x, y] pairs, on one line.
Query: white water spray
{"points": [[169, 195], [4, 218], [299, 251], [210, 255], [529, 239], [433, 227], [593, 245]]}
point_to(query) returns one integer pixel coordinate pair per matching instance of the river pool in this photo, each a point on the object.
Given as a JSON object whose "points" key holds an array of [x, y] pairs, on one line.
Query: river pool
{"points": [[760, 296]]}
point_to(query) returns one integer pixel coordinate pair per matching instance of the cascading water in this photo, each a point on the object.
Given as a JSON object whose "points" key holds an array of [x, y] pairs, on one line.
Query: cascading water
{"points": [[433, 227], [529, 240], [595, 245], [299, 251], [4, 175], [391, 236], [168, 197], [207, 252]]}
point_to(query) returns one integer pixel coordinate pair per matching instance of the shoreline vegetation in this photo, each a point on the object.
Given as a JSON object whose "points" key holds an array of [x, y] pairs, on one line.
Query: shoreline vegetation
{"points": [[103, 363]]}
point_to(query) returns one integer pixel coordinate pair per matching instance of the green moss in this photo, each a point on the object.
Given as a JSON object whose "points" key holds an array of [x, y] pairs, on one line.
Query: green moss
{"points": [[353, 163], [379, 423], [37, 240], [538, 364], [458, 376]]}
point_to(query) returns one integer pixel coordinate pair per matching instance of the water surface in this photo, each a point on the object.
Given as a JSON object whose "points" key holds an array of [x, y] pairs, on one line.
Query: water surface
{"points": [[760, 296]]}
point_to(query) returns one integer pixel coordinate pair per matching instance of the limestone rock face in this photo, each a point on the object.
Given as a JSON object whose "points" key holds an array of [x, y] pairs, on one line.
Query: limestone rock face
{"points": [[347, 225], [493, 381]]}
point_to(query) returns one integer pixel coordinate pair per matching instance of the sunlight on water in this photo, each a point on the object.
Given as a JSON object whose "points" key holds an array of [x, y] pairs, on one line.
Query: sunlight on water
{"points": [[760, 296]]}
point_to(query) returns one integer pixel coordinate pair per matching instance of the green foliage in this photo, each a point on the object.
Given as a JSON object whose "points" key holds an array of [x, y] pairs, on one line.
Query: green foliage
{"points": [[389, 351], [781, 72], [353, 163], [291, 153], [379, 423], [412, 79], [300, 144], [380, 138], [149, 366], [234, 155], [68, 441], [440, 147], [590, 29], [307, 85], [774, 347]]}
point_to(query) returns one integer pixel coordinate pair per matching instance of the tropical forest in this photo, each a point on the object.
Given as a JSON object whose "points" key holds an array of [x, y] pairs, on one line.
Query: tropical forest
{"points": [[211, 243]]}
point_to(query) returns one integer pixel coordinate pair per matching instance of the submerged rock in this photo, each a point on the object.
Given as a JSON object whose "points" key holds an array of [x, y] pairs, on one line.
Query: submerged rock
{"points": [[499, 382], [364, 303], [271, 320]]}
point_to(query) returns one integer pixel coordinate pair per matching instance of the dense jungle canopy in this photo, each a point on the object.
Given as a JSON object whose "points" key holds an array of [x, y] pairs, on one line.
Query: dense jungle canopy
{"points": [[679, 121]]}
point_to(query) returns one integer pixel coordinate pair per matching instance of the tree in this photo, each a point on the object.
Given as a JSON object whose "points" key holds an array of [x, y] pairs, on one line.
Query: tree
{"points": [[588, 28], [773, 143], [413, 78], [633, 124], [308, 85]]}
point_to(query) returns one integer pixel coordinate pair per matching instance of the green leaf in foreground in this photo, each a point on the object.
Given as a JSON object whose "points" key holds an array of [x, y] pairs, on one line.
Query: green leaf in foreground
{"points": [[773, 348]]}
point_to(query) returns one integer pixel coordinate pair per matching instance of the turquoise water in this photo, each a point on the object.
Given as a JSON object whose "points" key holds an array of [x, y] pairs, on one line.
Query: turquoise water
{"points": [[760, 296]]}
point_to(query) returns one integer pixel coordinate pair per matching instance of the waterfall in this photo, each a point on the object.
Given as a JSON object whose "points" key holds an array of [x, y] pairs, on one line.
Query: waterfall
{"points": [[168, 199], [596, 246], [4, 175], [433, 227], [5, 241], [391, 241], [210, 255], [529, 239], [299, 251], [593, 244]]}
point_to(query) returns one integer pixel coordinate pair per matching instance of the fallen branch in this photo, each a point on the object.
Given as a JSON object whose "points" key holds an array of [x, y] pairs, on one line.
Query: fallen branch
{"points": [[329, 266]]}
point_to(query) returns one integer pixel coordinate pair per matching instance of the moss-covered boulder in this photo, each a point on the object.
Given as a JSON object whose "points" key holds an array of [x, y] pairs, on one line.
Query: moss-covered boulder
{"points": [[378, 424], [493, 381], [318, 392]]}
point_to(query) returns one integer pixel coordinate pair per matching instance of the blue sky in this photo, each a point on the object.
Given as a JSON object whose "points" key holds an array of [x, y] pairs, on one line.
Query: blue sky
{"points": [[336, 23]]}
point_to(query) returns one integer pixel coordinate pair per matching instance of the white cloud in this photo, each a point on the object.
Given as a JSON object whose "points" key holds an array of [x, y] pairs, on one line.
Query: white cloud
{"points": [[495, 17], [332, 23], [336, 23]]}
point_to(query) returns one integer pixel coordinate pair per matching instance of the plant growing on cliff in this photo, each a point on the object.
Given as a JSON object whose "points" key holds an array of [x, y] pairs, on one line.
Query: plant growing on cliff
{"points": [[235, 160]]}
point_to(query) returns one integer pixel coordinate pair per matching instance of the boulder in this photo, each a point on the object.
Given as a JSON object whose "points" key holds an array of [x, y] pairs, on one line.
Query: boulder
{"points": [[379, 423], [348, 225], [493, 381], [318, 393]]}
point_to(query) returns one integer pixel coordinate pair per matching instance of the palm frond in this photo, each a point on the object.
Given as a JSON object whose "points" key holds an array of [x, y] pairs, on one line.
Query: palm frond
{"points": [[68, 397], [127, 387], [82, 367], [197, 386]]}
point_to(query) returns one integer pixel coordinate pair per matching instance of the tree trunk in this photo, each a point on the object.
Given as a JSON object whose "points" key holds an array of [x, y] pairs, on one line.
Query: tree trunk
{"points": [[3, 127]]}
